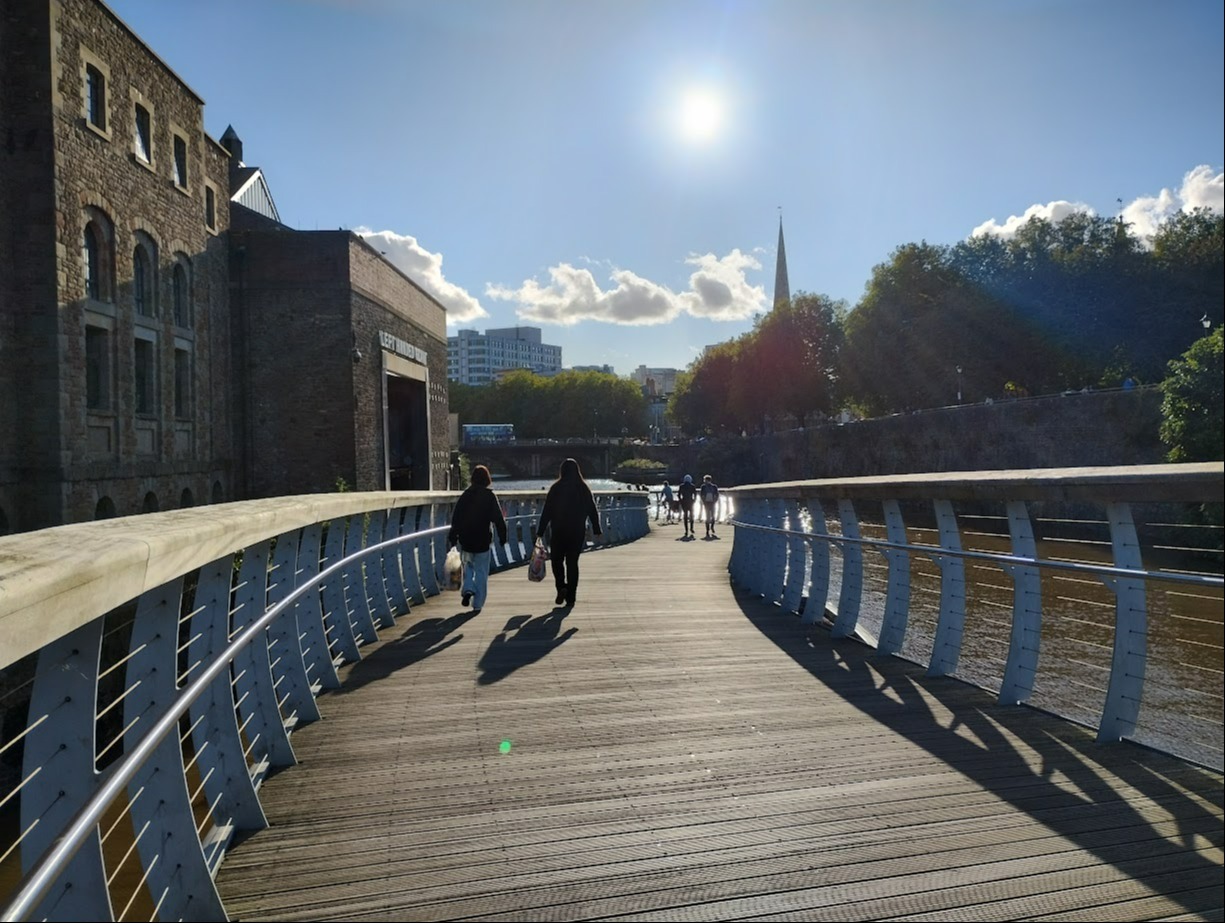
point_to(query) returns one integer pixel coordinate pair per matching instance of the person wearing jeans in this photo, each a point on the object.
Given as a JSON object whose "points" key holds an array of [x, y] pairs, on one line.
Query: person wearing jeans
{"points": [[477, 512]]}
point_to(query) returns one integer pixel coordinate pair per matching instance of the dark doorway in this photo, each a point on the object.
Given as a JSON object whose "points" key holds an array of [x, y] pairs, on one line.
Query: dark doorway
{"points": [[408, 437]]}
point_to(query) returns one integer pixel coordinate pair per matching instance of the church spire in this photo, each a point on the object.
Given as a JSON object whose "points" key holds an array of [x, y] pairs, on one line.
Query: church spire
{"points": [[782, 291]]}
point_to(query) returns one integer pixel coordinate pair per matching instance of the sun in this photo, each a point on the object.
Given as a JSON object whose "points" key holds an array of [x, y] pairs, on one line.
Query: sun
{"points": [[701, 115]]}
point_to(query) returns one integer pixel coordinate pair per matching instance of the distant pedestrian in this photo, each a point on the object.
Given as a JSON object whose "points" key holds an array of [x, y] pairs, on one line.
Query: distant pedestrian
{"points": [[477, 511], [568, 507], [666, 500], [687, 494], [709, 492]]}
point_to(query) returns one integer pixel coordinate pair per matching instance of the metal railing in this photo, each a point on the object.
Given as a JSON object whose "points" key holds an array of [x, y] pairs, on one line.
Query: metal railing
{"points": [[1033, 584], [154, 669]]}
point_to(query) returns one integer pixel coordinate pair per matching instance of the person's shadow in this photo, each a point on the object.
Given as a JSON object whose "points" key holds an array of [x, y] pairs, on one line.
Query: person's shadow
{"points": [[523, 641], [422, 639]]}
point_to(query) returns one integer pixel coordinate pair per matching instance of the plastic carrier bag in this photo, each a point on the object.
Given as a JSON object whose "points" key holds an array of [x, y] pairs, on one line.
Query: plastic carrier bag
{"points": [[453, 570], [536, 566]]}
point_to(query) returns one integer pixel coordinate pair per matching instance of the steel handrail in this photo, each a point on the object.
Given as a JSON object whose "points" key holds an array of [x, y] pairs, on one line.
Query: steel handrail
{"points": [[1099, 570], [53, 862]]}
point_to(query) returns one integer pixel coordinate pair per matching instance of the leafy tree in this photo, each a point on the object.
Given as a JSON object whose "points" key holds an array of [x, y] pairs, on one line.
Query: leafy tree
{"points": [[571, 404], [1192, 418]]}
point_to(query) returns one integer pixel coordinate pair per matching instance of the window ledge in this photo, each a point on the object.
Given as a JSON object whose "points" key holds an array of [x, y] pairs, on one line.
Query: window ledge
{"points": [[149, 165], [184, 190], [103, 133]]}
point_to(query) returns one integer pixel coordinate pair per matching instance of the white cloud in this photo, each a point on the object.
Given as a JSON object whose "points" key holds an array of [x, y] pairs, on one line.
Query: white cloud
{"points": [[718, 290], [425, 268], [1053, 212], [1201, 188]]}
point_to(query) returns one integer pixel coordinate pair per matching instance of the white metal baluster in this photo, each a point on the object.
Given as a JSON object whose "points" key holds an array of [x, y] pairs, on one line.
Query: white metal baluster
{"points": [[170, 849], [344, 641], [353, 579], [1026, 636], [897, 596], [397, 600], [797, 569], [215, 736], [818, 581], [1126, 688], [950, 626], [253, 682], [850, 595], [59, 754], [316, 647]]}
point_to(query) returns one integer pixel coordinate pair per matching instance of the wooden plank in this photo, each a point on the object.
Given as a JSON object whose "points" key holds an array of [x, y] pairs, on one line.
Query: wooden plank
{"points": [[682, 751]]}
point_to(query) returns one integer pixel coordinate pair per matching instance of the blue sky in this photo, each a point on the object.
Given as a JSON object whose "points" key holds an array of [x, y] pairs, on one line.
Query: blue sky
{"points": [[612, 170]]}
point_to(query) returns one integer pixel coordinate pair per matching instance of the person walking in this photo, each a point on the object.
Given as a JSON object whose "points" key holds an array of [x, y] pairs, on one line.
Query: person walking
{"points": [[709, 492], [666, 501], [568, 507], [687, 494], [477, 511]]}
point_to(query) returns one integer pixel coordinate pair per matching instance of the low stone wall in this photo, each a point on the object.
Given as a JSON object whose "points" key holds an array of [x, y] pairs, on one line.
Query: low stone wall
{"points": [[1073, 430], [1059, 431]]}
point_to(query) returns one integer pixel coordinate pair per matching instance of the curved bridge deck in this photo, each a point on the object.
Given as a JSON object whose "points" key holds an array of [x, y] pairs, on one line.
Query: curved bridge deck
{"points": [[680, 751]]}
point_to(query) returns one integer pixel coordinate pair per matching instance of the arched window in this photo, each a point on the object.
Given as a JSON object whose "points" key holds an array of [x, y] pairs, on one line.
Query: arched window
{"points": [[97, 252], [140, 282], [93, 256], [186, 499], [181, 285], [4, 519], [144, 276], [218, 493], [150, 505], [105, 508]]}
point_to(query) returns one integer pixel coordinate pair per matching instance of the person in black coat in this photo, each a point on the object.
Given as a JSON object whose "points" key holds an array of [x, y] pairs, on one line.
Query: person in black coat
{"points": [[476, 511], [687, 494], [568, 507]]}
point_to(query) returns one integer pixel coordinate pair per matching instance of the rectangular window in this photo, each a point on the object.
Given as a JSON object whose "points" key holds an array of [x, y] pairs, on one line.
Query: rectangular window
{"points": [[180, 162], [97, 368], [95, 97], [144, 377], [210, 208], [144, 137], [182, 383]]}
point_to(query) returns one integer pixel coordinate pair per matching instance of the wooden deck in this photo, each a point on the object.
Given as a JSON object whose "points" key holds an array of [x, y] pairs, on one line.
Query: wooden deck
{"points": [[679, 751]]}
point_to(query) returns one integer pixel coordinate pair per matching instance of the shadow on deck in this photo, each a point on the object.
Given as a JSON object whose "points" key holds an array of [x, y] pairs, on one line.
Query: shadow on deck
{"points": [[672, 749]]}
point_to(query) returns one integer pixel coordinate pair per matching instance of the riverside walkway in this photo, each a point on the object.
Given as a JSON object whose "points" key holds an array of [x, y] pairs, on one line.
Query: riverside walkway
{"points": [[673, 748]]}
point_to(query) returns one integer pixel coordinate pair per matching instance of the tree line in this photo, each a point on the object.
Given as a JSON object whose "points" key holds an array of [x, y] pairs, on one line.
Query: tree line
{"points": [[1079, 303], [568, 405]]}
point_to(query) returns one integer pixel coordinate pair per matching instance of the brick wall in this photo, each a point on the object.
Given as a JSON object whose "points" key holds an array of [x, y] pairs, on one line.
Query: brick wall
{"points": [[312, 415], [292, 360]]}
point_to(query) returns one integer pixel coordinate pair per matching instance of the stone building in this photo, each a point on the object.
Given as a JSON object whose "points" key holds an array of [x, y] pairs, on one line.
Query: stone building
{"points": [[340, 360], [114, 325], [165, 340]]}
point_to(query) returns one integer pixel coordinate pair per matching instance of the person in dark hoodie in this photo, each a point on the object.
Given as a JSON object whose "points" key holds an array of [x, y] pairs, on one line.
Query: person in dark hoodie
{"points": [[476, 511], [568, 507]]}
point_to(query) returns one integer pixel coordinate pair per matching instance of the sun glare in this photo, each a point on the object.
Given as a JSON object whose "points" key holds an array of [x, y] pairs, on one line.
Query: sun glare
{"points": [[701, 115]]}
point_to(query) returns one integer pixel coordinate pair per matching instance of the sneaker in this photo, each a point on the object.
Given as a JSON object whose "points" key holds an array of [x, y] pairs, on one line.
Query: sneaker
{"points": [[466, 598]]}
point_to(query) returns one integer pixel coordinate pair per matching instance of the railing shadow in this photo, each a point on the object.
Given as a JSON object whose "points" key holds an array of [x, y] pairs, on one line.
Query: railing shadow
{"points": [[894, 693], [422, 639], [523, 641]]}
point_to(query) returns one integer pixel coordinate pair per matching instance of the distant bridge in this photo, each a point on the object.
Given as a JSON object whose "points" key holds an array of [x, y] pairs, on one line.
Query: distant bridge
{"points": [[541, 459]]}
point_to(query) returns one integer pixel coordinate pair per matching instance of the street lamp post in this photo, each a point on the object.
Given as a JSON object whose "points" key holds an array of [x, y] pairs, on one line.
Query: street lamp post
{"points": [[959, 384]]}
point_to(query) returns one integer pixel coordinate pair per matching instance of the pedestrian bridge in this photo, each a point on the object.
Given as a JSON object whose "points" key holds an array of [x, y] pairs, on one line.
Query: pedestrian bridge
{"points": [[270, 710]]}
